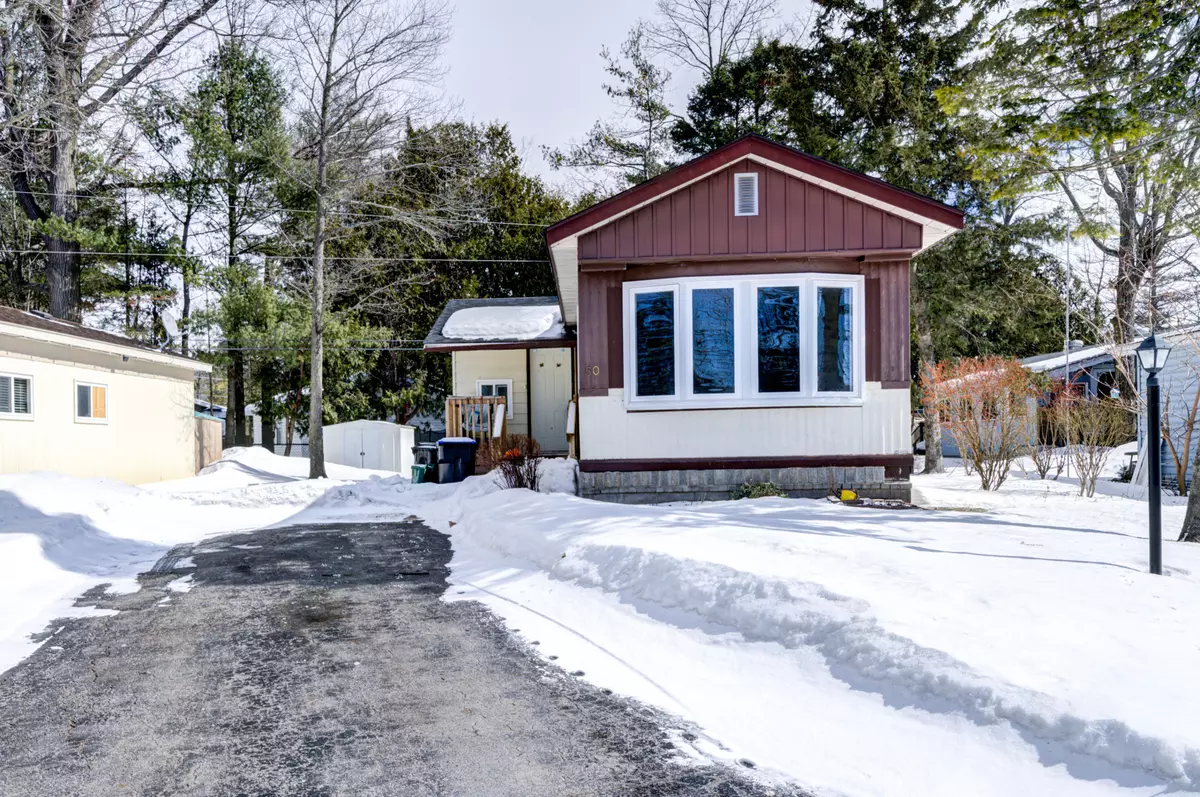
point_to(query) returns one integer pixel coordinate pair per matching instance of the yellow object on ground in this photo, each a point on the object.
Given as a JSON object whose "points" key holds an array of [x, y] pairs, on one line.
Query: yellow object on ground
{"points": [[848, 495]]}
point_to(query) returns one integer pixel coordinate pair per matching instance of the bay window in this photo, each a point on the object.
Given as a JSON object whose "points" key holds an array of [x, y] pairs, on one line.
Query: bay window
{"points": [[744, 341]]}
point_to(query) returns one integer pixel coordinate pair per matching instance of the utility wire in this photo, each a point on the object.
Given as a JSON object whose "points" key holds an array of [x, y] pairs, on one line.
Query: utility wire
{"points": [[168, 255]]}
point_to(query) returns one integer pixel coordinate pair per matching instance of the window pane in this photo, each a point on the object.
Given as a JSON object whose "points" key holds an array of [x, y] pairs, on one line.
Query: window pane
{"points": [[6, 394], [712, 341], [654, 325], [83, 401], [835, 364], [485, 390], [99, 402], [779, 339], [502, 391], [20, 400]]}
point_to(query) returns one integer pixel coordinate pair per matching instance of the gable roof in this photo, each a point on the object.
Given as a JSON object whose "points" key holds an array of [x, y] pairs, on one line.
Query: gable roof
{"points": [[754, 145], [45, 327], [879, 218], [436, 340]]}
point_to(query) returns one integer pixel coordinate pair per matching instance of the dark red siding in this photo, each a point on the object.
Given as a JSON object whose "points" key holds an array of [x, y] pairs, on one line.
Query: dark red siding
{"points": [[795, 217]]}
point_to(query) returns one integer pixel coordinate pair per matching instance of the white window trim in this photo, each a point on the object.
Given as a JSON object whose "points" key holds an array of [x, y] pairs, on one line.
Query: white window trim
{"points": [[632, 290], [508, 404], [736, 178], [107, 403], [14, 415], [746, 393]]}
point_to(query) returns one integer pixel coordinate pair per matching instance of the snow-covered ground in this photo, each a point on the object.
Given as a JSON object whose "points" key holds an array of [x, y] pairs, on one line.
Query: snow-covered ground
{"points": [[1004, 643]]}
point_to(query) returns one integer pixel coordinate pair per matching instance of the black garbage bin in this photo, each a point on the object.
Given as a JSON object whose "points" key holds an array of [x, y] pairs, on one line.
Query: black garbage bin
{"points": [[425, 458], [456, 459]]}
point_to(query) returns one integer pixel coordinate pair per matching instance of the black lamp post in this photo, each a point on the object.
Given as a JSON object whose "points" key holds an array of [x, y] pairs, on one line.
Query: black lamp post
{"points": [[1152, 354]]}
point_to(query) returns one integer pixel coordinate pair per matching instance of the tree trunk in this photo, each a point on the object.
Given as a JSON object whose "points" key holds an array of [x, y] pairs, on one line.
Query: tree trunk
{"points": [[316, 395], [237, 397], [185, 273], [289, 426], [926, 358], [1191, 520]]}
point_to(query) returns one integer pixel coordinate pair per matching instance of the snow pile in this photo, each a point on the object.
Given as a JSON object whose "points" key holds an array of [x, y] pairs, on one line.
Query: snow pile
{"points": [[510, 322], [61, 535], [960, 653]]}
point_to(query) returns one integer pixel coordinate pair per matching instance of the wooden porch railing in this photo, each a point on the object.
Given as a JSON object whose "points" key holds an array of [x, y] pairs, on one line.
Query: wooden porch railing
{"points": [[478, 417]]}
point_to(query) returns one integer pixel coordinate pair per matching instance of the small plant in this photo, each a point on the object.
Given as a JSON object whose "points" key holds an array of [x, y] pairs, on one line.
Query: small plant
{"points": [[1124, 473], [517, 465], [1096, 426], [758, 490]]}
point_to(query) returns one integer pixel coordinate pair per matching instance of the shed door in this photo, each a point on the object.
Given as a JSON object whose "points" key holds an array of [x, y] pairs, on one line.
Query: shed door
{"points": [[550, 388]]}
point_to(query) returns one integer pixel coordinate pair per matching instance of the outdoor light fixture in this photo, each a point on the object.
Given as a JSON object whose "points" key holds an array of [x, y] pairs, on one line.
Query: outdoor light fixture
{"points": [[1152, 354]]}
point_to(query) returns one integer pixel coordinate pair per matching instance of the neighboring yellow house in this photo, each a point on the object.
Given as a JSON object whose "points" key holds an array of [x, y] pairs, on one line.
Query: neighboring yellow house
{"points": [[85, 402]]}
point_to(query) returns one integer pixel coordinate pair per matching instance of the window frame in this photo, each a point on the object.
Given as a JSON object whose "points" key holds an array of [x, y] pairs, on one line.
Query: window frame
{"points": [[858, 329], [746, 393], [508, 405], [632, 291], [91, 407], [14, 415]]}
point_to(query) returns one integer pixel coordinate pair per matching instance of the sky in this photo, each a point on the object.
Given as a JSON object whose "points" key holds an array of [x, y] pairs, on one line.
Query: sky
{"points": [[536, 65]]}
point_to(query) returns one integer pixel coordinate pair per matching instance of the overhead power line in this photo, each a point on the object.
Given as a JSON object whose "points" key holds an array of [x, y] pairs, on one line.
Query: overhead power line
{"points": [[168, 255]]}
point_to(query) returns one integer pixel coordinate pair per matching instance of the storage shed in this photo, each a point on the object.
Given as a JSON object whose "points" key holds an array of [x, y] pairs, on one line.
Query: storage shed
{"points": [[375, 445]]}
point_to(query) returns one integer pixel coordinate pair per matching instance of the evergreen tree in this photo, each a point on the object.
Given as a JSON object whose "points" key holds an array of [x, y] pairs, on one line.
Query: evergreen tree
{"points": [[635, 146], [236, 128]]}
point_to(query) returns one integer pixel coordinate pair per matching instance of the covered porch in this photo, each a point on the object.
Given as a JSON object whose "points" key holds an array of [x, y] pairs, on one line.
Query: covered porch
{"points": [[512, 370]]}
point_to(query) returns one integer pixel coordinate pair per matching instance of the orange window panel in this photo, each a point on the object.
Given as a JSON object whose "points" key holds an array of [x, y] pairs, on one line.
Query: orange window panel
{"points": [[99, 401]]}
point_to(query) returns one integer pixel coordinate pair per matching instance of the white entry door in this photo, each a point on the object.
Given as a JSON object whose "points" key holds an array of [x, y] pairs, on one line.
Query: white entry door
{"points": [[550, 389]]}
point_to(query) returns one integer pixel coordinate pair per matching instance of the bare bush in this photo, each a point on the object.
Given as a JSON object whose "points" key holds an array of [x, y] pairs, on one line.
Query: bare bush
{"points": [[988, 406], [515, 458], [1097, 425]]}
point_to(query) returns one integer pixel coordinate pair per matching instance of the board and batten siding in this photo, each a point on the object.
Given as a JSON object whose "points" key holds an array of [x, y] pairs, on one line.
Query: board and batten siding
{"points": [[470, 366], [794, 216], [880, 426], [150, 433], [601, 332]]}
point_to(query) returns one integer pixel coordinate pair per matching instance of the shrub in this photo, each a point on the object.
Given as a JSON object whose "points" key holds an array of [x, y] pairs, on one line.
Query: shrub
{"points": [[758, 490], [987, 405], [1095, 426], [515, 458]]}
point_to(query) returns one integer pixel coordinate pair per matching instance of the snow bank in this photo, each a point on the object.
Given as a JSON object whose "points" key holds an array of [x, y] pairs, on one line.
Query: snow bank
{"points": [[61, 535], [513, 322], [1038, 631]]}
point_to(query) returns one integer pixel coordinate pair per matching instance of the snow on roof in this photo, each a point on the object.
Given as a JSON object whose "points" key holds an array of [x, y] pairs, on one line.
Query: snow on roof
{"points": [[526, 322], [512, 322], [1088, 355]]}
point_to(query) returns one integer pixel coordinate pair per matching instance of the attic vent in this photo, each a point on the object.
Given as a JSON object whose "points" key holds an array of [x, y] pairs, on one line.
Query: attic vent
{"points": [[745, 194]]}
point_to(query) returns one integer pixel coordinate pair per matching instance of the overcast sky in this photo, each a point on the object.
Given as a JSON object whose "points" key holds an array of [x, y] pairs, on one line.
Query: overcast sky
{"points": [[536, 65]]}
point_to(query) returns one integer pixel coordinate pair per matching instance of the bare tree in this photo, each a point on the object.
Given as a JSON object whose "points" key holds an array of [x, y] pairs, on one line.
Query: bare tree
{"points": [[706, 33], [361, 67], [64, 62]]}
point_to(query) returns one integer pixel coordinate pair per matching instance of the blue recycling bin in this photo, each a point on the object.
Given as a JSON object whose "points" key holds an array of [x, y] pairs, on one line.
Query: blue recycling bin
{"points": [[456, 459]]}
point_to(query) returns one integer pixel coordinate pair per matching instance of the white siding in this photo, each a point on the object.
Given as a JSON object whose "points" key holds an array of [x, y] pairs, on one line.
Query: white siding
{"points": [[151, 430], [470, 366], [1177, 383], [882, 425]]}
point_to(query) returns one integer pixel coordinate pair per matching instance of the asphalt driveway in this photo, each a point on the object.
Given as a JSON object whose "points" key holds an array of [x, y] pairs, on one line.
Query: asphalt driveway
{"points": [[320, 661]]}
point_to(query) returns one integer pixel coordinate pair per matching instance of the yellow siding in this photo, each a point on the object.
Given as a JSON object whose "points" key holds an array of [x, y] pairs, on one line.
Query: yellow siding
{"points": [[470, 366], [880, 426], [149, 433]]}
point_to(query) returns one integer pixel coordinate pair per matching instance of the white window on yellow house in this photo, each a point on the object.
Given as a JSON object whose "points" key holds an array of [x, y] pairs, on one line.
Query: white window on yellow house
{"points": [[16, 396], [91, 402]]}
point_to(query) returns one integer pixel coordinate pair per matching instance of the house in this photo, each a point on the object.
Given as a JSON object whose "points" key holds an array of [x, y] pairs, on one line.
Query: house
{"points": [[515, 349], [742, 317], [90, 403], [1093, 370]]}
